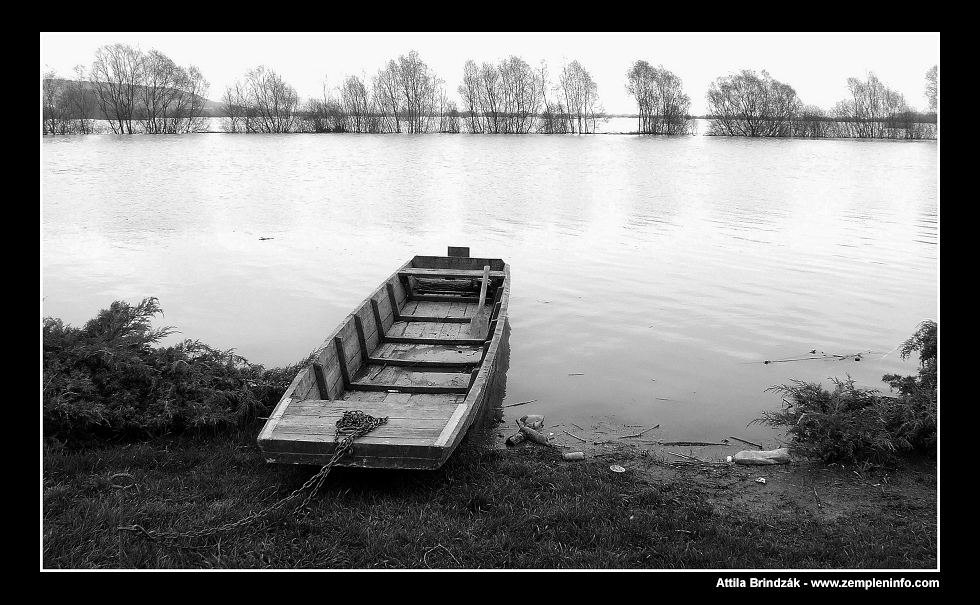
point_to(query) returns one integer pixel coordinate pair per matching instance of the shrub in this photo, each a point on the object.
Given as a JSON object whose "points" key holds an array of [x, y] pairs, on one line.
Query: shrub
{"points": [[861, 425], [106, 380], [917, 421]]}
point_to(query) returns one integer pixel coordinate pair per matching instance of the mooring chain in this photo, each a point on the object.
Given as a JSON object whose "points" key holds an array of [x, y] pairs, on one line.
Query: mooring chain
{"points": [[350, 426]]}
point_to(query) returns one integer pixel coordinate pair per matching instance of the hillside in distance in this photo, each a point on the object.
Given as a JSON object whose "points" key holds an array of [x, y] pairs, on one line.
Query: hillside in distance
{"points": [[211, 108]]}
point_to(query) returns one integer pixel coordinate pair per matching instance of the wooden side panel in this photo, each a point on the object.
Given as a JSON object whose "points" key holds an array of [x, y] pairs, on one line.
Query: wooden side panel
{"points": [[347, 334], [401, 295], [371, 337], [304, 386], [331, 372], [384, 309]]}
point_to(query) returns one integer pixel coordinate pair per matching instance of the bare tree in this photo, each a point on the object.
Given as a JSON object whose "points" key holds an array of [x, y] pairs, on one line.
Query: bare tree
{"points": [[387, 90], [323, 115], [552, 121], [158, 84], [418, 86], [747, 104], [872, 110], [662, 105], [581, 96], [812, 122], [53, 120], [519, 88], [236, 107], [469, 92], [490, 98], [80, 102], [116, 74], [271, 100], [187, 104], [355, 103], [449, 118]]}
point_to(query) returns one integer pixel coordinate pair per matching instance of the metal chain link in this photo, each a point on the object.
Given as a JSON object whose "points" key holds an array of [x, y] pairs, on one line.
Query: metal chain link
{"points": [[353, 424]]}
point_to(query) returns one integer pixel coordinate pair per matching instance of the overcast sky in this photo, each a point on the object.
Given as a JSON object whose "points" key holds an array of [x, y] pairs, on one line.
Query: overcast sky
{"points": [[816, 65]]}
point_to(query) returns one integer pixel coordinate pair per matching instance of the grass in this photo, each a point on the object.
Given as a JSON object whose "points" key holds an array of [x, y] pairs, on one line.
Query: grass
{"points": [[485, 509]]}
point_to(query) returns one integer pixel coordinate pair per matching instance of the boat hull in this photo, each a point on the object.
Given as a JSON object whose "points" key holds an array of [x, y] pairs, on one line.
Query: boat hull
{"points": [[404, 354]]}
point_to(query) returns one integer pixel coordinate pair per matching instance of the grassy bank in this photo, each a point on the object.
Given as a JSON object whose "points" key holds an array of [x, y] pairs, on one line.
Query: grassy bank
{"points": [[486, 509]]}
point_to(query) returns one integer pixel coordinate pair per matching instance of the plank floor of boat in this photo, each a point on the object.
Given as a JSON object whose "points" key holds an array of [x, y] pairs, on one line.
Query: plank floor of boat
{"points": [[439, 309], [430, 353], [415, 420]]}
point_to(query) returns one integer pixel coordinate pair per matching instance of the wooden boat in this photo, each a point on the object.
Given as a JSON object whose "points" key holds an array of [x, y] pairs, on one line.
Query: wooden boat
{"points": [[405, 353]]}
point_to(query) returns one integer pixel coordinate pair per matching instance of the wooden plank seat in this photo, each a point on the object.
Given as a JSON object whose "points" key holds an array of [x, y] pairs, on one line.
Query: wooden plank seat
{"points": [[448, 273], [403, 379]]}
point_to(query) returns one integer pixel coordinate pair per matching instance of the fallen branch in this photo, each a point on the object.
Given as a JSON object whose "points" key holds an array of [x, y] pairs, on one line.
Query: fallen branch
{"points": [[694, 443], [855, 356], [744, 441], [576, 436], [511, 405], [640, 434]]}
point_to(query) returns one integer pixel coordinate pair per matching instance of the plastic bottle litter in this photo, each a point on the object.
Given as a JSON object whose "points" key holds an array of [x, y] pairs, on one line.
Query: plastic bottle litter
{"points": [[729, 459], [515, 439], [535, 421], [761, 457], [573, 456], [533, 435]]}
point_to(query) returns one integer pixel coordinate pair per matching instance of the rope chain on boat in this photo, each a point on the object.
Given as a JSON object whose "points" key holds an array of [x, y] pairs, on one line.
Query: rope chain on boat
{"points": [[350, 426]]}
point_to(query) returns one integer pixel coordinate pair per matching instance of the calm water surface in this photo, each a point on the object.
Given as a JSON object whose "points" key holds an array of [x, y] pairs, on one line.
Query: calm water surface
{"points": [[652, 277]]}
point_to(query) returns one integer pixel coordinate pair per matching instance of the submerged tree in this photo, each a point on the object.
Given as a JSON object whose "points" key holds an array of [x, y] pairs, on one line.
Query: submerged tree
{"points": [[54, 114], [419, 86], [551, 121], [501, 97], [171, 98], [469, 92], [662, 105], [355, 103], [581, 96], [264, 102], [751, 105], [116, 73], [388, 94], [873, 110], [812, 122], [147, 92]]}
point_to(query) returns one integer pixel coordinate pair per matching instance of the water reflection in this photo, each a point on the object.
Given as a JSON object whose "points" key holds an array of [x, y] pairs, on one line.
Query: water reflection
{"points": [[663, 270]]}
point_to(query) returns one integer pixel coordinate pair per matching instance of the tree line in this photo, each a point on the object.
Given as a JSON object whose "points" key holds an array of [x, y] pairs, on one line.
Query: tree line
{"points": [[146, 92], [756, 105]]}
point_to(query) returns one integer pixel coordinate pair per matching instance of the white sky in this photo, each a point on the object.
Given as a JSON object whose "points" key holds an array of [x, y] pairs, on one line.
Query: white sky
{"points": [[816, 65]]}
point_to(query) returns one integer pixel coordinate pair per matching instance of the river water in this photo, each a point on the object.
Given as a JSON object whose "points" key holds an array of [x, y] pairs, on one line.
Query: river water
{"points": [[652, 277]]}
